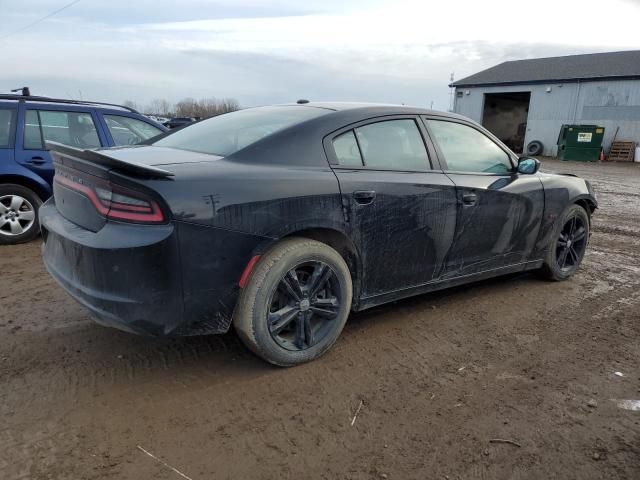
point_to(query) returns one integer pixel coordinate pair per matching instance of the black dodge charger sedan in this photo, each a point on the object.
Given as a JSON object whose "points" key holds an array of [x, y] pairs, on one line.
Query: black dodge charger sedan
{"points": [[280, 220]]}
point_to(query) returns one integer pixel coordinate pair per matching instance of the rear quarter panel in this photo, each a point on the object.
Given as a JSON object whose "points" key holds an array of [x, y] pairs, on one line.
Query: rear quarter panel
{"points": [[257, 199], [226, 212]]}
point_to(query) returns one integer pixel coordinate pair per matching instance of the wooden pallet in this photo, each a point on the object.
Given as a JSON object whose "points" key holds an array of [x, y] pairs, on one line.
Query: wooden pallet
{"points": [[622, 152]]}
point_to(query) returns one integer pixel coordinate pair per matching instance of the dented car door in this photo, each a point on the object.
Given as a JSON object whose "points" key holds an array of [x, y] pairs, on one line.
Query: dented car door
{"points": [[400, 206], [499, 209]]}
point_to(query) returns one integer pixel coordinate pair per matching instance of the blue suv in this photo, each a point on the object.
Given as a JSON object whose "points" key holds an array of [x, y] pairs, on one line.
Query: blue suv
{"points": [[26, 171]]}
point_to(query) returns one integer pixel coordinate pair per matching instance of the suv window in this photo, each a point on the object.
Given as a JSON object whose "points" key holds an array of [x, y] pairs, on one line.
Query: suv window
{"points": [[129, 131], [393, 144], [465, 149], [70, 128], [7, 127]]}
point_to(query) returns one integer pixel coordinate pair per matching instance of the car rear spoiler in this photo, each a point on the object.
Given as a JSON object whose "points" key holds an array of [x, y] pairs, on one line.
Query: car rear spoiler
{"points": [[104, 160]]}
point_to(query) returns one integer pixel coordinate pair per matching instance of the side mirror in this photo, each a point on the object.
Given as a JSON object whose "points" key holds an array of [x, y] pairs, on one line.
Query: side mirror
{"points": [[528, 165]]}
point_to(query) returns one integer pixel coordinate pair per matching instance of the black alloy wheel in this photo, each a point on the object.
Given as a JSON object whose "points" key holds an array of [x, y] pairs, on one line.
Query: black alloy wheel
{"points": [[568, 244], [304, 305], [571, 244], [295, 302]]}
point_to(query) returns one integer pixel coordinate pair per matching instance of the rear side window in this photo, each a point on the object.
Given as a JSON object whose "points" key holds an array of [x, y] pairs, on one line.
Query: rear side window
{"points": [[7, 127], [465, 149], [69, 128], [393, 144], [347, 150], [226, 134], [129, 131], [32, 134]]}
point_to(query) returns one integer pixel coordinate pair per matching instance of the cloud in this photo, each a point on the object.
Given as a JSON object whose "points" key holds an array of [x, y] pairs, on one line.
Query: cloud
{"points": [[402, 51]]}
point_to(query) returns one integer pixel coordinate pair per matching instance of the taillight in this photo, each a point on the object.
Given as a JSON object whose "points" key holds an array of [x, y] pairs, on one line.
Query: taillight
{"points": [[111, 200]]}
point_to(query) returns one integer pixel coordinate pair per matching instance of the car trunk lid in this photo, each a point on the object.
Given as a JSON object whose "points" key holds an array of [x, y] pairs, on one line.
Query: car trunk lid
{"points": [[85, 194], [152, 156]]}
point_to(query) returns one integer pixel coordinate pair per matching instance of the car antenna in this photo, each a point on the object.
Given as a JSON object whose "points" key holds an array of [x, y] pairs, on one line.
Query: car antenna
{"points": [[25, 91], [302, 101]]}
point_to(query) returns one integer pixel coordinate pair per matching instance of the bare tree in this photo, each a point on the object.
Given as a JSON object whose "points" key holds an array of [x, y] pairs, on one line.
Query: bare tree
{"points": [[130, 104], [188, 107], [205, 107], [159, 107]]}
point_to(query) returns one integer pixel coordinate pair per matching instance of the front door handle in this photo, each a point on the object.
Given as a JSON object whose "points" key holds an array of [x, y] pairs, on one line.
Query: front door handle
{"points": [[36, 160], [364, 197], [469, 199]]}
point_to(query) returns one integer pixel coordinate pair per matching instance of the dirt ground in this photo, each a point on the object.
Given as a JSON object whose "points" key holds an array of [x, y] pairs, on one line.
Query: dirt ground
{"points": [[439, 377]]}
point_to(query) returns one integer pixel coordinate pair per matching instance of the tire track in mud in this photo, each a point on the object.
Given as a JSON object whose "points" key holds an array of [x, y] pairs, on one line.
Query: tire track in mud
{"points": [[75, 376], [617, 230], [408, 349]]}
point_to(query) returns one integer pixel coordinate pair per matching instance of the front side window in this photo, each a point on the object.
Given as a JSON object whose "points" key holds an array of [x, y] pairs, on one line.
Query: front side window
{"points": [[465, 149], [7, 127], [393, 144], [129, 131], [75, 129], [228, 133]]}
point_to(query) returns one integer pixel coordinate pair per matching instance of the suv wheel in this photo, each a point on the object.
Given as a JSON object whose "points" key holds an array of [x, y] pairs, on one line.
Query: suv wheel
{"points": [[18, 214], [296, 302]]}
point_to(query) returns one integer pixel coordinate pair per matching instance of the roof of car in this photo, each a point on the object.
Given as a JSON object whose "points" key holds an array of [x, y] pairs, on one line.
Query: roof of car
{"points": [[338, 106], [375, 108], [62, 101]]}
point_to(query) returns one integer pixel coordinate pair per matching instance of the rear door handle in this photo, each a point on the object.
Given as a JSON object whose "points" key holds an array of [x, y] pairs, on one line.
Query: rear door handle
{"points": [[364, 197], [470, 199], [36, 160]]}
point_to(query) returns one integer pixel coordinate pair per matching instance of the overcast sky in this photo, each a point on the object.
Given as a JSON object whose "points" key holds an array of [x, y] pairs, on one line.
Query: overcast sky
{"points": [[262, 52]]}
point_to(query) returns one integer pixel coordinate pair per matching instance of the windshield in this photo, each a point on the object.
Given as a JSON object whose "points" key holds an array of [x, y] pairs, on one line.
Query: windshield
{"points": [[226, 134]]}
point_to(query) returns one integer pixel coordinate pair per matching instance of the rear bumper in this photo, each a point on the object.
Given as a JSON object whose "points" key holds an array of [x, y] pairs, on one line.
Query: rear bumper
{"points": [[176, 279], [128, 276]]}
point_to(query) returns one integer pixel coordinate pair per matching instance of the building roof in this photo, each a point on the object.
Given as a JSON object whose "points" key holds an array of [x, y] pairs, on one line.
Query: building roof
{"points": [[571, 68]]}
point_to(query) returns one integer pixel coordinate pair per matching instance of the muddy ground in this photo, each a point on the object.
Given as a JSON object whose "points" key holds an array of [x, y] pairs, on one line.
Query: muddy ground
{"points": [[438, 376]]}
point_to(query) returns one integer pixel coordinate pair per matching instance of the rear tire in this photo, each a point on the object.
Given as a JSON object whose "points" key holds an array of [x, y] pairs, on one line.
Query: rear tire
{"points": [[19, 208], [568, 244], [292, 318]]}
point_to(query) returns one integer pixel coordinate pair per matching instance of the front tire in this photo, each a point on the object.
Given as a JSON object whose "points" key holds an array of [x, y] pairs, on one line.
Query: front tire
{"points": [[18, 214], [568, 244], [296, 302]]}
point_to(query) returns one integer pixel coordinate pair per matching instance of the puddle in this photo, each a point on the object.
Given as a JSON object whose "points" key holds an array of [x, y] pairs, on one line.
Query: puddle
{"points": [[633, 405]]}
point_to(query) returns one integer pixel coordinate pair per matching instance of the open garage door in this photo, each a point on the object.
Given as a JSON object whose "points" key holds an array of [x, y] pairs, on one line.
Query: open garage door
{"points": [[505, 115]]}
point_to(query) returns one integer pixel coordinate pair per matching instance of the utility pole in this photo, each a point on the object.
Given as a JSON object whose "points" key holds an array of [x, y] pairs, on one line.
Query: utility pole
{"points": [[451, 93]]}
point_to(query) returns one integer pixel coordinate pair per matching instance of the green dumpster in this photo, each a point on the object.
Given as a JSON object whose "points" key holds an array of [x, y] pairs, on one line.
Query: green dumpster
{"points": [[580, 142]]}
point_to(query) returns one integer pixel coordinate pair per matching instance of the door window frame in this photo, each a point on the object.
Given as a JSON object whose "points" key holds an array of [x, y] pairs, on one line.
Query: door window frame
{"points": [[57, 108], [111, 113], [513, 159], [432, 157], [14, 126]]}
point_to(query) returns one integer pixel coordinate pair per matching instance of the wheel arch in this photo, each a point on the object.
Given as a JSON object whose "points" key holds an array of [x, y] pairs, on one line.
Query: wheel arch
{"points": [[43, 190], [588, 203], [340, 242]]}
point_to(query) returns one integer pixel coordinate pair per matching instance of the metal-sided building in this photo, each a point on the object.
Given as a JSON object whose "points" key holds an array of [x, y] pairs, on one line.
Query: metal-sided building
{"points": [[526, 100]]}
